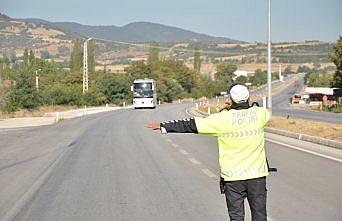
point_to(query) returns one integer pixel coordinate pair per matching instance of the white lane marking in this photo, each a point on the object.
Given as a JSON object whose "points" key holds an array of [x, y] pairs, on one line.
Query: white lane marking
{"points": [[194, 161], [270, 218], [304, 150], [175, 145], [187, 112], [169, 140], [209, 173], [183, 152]]}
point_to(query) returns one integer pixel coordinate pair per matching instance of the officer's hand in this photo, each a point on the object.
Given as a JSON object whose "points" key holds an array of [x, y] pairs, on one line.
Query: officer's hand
{"points": [[154, 126], [227, 105]]}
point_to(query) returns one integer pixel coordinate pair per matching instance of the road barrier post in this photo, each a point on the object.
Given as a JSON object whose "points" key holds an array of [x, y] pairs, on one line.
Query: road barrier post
{"points": [[57, 117], [85, 110], [124, 104], [208, 110], [107, 108], [159, 102], [178, 101], [196, 106], [264, 101]]}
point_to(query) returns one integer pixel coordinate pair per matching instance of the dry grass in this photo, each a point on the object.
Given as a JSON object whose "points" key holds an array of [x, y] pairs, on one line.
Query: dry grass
{"points": [[43, 32], [41, 112], [275, 66], [313, 128]]}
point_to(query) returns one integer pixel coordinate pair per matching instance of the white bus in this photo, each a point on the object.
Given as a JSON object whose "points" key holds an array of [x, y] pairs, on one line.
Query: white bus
{"points": [[144, 93]]}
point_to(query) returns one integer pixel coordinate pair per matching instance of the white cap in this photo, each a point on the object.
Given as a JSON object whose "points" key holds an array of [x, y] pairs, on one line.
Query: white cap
{"points": [[239, 94]]}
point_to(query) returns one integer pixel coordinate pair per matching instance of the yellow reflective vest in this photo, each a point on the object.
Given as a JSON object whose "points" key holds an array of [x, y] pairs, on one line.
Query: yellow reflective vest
{"points": [[240, 135]]}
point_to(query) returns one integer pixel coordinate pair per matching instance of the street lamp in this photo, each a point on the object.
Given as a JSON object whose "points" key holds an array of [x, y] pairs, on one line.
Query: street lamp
{"points": [[269, 71]]}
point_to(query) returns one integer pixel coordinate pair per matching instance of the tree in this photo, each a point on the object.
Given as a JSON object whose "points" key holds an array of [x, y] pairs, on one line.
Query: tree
{"points": [[13, 57], [153, 55], [224, 74], [44, 54], [241, 80], [91, 57], [116, 88], [26, 58], [259, 78], [23, 94], [31, 57], [315, 79], [288, 70], [337, 59], [139, 70], [303, 69], [76, 56], [197, 58]]}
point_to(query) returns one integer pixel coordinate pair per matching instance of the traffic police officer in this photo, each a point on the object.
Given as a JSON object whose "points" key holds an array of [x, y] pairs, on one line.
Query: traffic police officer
{"points": [[243, 165]]}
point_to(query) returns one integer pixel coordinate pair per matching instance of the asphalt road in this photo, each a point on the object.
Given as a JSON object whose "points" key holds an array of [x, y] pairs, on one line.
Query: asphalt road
{"points": [[110, 167], [280, 103]]}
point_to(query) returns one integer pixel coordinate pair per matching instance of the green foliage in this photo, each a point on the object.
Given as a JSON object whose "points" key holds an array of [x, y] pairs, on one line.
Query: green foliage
{"points": [[23, 94], [91, 57], [336, 108], [44, 54], [153, 55], [13, 57], [259, 78], [58, 86], [241, 80], [224, 75], [288, 70], [303, 69], [337, 59], [316, 79], [26, 58], [76, 56], [116, 88], [197, 58]]}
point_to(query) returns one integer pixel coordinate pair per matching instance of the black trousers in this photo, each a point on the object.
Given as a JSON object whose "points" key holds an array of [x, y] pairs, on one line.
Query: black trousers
{"points": [[255, 192]]}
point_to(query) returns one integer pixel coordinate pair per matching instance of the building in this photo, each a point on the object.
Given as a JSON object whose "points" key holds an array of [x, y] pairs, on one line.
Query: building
{"points": [[239, 73]]}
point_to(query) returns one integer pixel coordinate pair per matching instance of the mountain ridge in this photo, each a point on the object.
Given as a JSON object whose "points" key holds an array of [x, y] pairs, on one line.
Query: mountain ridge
{"points": [[135, 32]]}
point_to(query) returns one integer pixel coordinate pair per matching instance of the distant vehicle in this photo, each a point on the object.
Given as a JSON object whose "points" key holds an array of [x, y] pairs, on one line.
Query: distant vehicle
{"points": [[296, 99], [144, 93]]}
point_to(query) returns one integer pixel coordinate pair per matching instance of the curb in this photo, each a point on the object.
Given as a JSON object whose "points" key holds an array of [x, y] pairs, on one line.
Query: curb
{"points": [[298, 136], [304, 137]]}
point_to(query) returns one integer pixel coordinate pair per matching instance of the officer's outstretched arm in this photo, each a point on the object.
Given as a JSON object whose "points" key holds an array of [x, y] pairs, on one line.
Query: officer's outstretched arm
{"points": [[187, 125]]}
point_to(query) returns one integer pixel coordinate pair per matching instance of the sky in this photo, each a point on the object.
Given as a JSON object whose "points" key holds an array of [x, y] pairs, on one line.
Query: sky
{"points": [[246, 20]]}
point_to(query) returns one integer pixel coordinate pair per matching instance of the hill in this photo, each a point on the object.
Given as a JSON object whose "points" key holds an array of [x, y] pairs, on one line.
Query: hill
{"points": [[141, 32], [134, 32]]}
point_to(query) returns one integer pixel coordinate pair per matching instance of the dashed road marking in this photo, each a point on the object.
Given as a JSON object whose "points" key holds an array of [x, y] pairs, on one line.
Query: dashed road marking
{"points": [[175, 145], [183, 152], [168, 140], [194, 161], [209, 173]]}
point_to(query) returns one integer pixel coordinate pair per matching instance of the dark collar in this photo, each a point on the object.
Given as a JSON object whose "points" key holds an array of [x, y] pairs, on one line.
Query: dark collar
{"points": [[240, 106]]}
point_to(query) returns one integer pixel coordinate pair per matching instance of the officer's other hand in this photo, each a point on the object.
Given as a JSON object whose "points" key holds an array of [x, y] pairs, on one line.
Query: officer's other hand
{"points": [[154, 126], [227, 105]]}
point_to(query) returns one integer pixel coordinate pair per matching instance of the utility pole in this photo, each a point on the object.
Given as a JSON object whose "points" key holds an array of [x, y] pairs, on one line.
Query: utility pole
{"points": [[85, 66], [269, 71]]}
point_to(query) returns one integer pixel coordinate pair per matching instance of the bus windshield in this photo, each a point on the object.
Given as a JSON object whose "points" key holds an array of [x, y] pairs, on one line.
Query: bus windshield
{"points": [[143, 90]]}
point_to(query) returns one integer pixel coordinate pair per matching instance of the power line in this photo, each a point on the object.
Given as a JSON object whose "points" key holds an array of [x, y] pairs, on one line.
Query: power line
{"points": [[144, 45]]}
